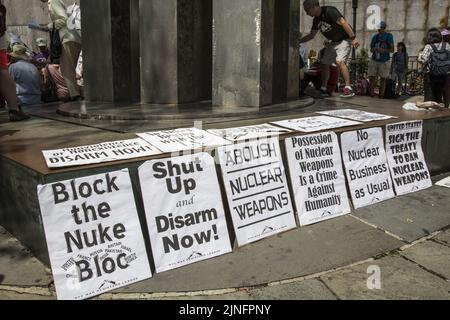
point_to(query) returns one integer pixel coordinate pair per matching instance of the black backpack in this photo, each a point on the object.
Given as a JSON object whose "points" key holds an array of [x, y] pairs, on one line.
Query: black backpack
{"points": [[439, 62], [55, 45]]}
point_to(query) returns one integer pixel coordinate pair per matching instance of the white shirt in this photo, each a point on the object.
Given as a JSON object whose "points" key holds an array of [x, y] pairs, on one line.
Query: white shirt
{"points": [[58, 15]]}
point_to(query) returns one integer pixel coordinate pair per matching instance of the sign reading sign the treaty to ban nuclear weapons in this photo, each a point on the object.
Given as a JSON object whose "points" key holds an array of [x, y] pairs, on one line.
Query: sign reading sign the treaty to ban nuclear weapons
{"points": [[98, 153], [366, 167], [314, 124], [184, 210], [250, 132], [184, 139], [405, 156], [93, 234], [356, 115], [317, 177], [256, 188]]}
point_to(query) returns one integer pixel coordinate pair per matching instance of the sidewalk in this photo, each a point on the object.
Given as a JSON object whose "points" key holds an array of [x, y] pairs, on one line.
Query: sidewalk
{"points": [[406, 241]]}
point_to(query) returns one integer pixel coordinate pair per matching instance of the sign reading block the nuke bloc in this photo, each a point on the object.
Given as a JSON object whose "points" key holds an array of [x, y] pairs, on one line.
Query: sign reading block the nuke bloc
{"points": [[184, 210], [256, 188], [93, 234]]}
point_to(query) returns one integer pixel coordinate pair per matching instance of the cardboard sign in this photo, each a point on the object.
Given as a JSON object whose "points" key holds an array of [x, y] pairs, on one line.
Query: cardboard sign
{"points": [[366, 167], [248, 133], [314, 124], [317, 177], [184, 139], [405, 156], [99, 153], [256, 188], [93, 234], [356, 115], [184, 210]]}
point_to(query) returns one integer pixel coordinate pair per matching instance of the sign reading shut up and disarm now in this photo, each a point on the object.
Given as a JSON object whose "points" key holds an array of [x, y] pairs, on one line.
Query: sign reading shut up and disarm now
{"points": [[93, 234]]}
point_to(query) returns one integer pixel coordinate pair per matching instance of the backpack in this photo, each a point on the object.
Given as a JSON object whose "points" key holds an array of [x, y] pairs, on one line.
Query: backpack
{"points": [[55, 45], [389, 92], [2, 20], [439, 62], [362, 87]]}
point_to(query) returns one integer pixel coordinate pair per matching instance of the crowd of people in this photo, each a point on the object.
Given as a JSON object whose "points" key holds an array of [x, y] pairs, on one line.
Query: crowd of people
{"points": [[387, 67], [30, 78]]}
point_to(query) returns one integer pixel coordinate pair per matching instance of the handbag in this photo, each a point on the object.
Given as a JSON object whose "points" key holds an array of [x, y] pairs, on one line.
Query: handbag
{"points": [[55, 45]]}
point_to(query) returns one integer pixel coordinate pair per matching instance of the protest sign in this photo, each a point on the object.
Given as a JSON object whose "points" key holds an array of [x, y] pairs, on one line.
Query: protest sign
{"points": [[317, 177], [184, 210], [405, 157], [255, 184], [184, 139], [366, 167], [444, 183], [98, 153], [250, 132], [93, 234], [357, 115], [314, 124]]}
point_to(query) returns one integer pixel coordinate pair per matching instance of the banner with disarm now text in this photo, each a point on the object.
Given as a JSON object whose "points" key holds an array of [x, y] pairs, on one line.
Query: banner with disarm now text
{"points": [[93, 234], [184, 210]]}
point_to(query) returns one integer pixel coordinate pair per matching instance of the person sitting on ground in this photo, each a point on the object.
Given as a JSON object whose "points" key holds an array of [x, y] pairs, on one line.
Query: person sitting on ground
{"points": [[7, 85], [53, 80], [43, 56], [436, 60], [381, 47], [26, 76], [400, 67]]}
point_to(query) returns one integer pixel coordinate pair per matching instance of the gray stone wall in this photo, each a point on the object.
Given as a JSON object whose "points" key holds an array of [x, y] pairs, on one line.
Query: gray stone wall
{"points": [[407, 20]]}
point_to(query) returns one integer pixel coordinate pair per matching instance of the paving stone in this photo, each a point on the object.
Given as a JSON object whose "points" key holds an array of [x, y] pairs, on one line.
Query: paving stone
{"points": [[311, 289], [10, 295], [400, 279], [431, 255], [303, 251], [444, 237], [413, 216]]}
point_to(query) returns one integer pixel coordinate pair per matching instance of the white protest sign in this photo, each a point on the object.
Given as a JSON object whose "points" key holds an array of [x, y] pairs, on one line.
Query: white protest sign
{"points": [[250, 132], [357, 115], [184, 210], [93, 234], [317, 177], [257, 192], [99, 153], [314, 124], [405, 156], [444, 183], [182, 139], [366, 167]]}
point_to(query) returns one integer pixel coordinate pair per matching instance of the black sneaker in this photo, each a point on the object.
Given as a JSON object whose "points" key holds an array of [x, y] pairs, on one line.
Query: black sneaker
{"points": [[324, 93], [17, 115]]}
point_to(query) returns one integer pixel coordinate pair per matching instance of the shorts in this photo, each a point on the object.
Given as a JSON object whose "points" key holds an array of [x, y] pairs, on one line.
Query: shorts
{"points": [[379, 69], [3, 60], [338, 52]]}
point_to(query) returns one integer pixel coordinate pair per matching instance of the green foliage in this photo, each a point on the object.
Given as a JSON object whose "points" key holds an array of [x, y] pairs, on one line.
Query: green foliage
{"points": [[362, 62]]}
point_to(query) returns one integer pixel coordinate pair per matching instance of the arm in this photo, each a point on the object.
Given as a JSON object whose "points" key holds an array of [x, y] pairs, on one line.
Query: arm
{"points": [[58, 13], [344, 24], [309, 36]]}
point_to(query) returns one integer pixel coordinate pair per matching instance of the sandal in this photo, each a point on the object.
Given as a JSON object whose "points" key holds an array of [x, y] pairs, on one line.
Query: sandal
{"points": [[17, 115]]}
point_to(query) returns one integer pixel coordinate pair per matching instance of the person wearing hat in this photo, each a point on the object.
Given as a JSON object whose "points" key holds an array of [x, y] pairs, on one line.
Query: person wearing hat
{"points": [[7, 85], [42, 57], [382, 46], [26, 76]]}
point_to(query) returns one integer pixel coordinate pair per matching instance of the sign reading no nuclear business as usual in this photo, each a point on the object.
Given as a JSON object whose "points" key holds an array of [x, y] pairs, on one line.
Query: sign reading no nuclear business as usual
{"points": [[256, 188], [97, 153], [184, 210], [366, 167], [318, 180], [405, 156], [93, 234]]}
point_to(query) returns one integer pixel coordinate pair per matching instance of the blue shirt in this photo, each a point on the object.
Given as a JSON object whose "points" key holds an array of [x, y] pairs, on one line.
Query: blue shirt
{"points": [[28, 82], [384, 41]]}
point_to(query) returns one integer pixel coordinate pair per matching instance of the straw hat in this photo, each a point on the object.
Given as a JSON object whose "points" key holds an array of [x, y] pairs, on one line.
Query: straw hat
{"points": [[19, 52]]}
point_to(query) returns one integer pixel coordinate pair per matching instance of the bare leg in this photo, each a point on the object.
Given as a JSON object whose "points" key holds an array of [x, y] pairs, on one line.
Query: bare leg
{"points": [[325, 73], [345, 73], [8, 89]]}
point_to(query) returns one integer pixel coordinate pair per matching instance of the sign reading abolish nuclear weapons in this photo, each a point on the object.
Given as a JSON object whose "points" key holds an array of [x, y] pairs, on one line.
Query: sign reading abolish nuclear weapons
{"points": [[184, 139], [405, 156], [250, 132], [97, 153], [93, 234], [317, 177], [356, 115], [314, 124], [366, 167], [184, 210], [256, 188]]}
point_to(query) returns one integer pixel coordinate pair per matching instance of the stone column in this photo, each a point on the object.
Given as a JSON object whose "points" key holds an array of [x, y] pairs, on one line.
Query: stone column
{"points": [[110, 50], [253, 52], [176, 50]]}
